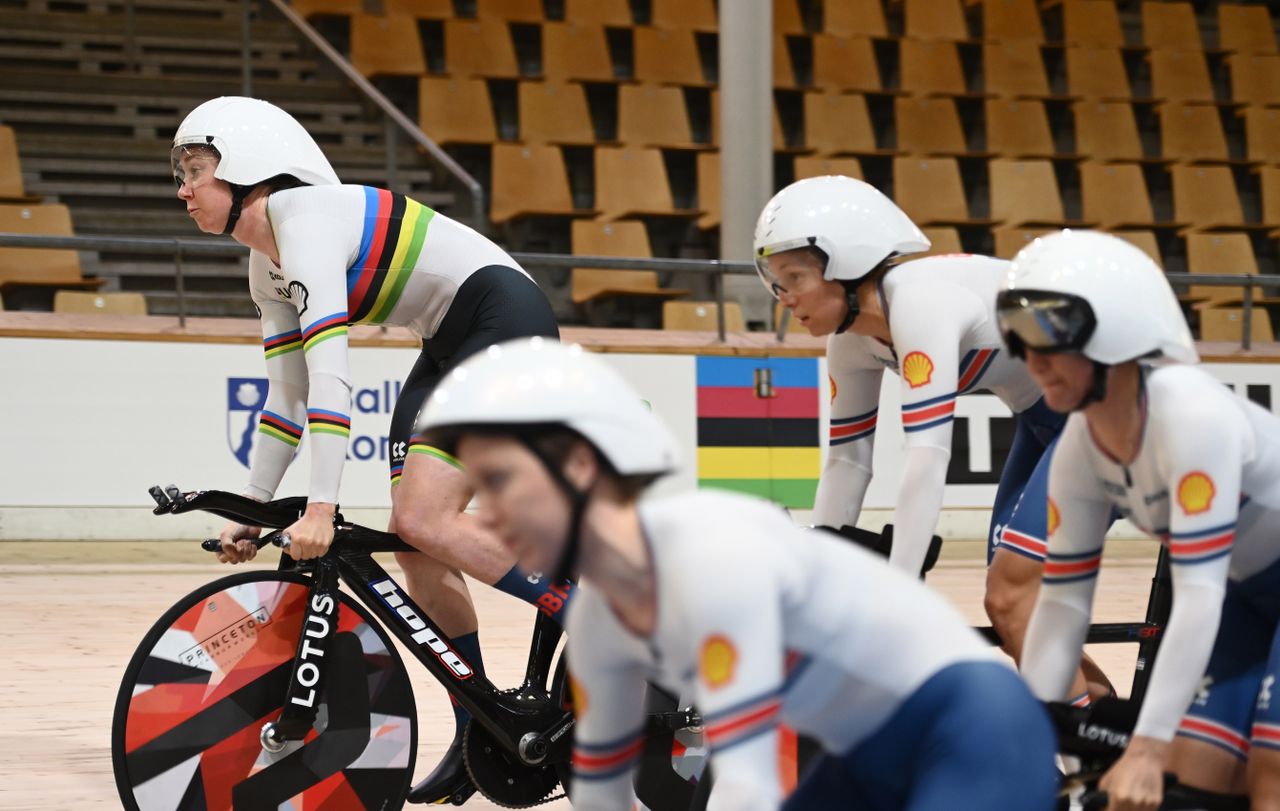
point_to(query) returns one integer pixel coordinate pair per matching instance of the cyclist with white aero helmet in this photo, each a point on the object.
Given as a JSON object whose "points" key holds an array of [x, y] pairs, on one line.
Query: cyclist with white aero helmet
{"points": [[721, 597], [837, 253], [1189, 462], [324, 256]]}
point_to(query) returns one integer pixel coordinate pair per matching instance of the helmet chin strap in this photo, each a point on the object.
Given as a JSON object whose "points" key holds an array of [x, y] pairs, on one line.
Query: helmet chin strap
{"points": [[238, 195], [566, 567], [851, 303], [1098, 391]]}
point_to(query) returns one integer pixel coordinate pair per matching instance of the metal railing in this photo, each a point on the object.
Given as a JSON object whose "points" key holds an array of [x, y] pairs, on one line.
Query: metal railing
{"points": [[180, 248]]}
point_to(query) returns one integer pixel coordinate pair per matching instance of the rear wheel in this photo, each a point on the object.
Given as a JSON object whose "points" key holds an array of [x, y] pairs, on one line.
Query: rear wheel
{"points": [[214, 670]]}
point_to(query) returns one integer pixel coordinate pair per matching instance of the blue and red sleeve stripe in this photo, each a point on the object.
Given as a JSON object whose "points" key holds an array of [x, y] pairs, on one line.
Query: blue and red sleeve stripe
{"points": [[743, 721], [974, 366], [1026, 545], [1070, 568], [1266, 735], [852, 429], [604, 761], [929, 413], [1216, 734], [1200, 547]]}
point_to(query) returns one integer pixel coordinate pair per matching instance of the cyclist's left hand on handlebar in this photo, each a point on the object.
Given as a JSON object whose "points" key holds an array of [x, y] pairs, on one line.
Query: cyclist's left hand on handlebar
{"points": [[1136, 781], [311, 535]]}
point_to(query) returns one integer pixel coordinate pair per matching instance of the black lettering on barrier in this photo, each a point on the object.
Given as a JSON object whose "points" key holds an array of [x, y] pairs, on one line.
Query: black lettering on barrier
{"points": [[960, 469]]}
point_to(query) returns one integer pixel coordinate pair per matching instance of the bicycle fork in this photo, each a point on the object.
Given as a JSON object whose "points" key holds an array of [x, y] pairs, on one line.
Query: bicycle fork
{"points": [[302, 697]]}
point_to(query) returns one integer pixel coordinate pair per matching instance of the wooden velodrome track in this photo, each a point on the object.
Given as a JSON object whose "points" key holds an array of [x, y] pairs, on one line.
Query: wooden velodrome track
{"points": [[75, 611]]}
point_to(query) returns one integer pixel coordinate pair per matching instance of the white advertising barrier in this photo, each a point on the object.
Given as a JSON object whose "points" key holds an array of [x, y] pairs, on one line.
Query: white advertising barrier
{"points": [[86, 426]]}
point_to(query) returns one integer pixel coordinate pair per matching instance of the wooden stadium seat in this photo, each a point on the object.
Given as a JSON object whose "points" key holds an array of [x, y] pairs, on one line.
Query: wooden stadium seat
{"points": [[1146, 241], [837, 124], [1262, 134], [1014, 68], [929, 126], [696, 15], [943, 241], [515, 11], [1269, 181], [312, 8], [1169, 24], [1227, 324], [1246, 29], [1180, 76], [615, 13], [935, 19], [649, 115], [784, 72], [1096, 73], [1192, 132], [1115, 195], [854, 18], [418, 9], [701, 316], [479, 48], [633, 183], [667, 57], [1004, 20], [80, 301], [528, 181], [818, 166], [1008, 241], [786, 17], [1219, 253], [554, 113], [845, 64], [456, 111], [386, 46], [40, 267], [708, 167], [11, 185], [930, 191], [1255, 78], [1206, 197], [1091, 22], [1106, 131], [930, 68], [576, 51], [1018, 128], [613, 239], [1025, 193]]}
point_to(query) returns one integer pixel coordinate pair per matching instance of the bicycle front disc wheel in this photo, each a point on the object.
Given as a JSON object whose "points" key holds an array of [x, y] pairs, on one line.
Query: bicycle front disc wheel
{"points": [[214, 670]]}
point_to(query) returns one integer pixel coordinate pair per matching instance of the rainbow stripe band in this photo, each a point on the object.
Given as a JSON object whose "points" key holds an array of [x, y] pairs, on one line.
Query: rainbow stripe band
{"points": [[974, 366], [320, 421], [394, 230], [1266, 735], [397, 470], [1070, 568], [1216, 734], [1025, 545], [418, 444], [743, 721], [853, 428], [1203, 546], [274, 425], [321, 330], [929, 413], [277, 345], [604, 761]]}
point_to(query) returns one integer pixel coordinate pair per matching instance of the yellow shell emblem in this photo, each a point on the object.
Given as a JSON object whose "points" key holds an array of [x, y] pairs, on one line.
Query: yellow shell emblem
{"points": [[579, 697], [719, 658], [833, 387], [1195, 493], [1054, 517], [917, 369]]}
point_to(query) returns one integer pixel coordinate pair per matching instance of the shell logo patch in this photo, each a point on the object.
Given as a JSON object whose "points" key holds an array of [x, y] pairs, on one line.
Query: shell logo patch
{"points": [[1195, 493], [917, 369], [579, 697], [718, 662], [833, 387], [1055, 518]]}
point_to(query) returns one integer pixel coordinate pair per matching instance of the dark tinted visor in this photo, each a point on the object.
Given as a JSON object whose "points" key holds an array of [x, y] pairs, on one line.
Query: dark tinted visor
{"points": [[1043, 320]]}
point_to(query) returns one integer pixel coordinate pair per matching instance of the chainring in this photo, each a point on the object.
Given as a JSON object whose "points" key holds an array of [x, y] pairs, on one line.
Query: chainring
{"points": [[501, 776]]}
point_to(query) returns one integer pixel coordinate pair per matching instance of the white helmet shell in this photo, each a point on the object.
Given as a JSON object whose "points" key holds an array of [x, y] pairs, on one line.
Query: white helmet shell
{"points": [[256, 140], [853, 222], [534, 380], [1135, 310]]}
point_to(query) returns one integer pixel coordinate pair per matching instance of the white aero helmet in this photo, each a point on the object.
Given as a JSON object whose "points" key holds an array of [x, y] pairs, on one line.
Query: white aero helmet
{"points": [[535, 381], [852, 222], [1092, 293]]}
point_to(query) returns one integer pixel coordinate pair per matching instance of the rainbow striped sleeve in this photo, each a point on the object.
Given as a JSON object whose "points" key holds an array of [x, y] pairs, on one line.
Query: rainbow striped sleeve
{"points": [[853, 428], [418, 444], [395, 227], [1203, 546], [1071, 568], [274, 425], [280, 344], [397, 470], [320, 421], [743, 721], [605, 761], [322, 329], [929, 413]]}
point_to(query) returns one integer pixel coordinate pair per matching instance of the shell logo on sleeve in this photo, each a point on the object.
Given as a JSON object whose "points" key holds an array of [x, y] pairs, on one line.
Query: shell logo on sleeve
{"points": [[1055, 518], [832, 380], [579, 694], [1195, 493], [917, 369], [718, 661]]}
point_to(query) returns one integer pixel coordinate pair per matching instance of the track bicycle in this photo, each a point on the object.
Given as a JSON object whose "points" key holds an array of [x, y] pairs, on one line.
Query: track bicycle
{"points": [[277, 689]]}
